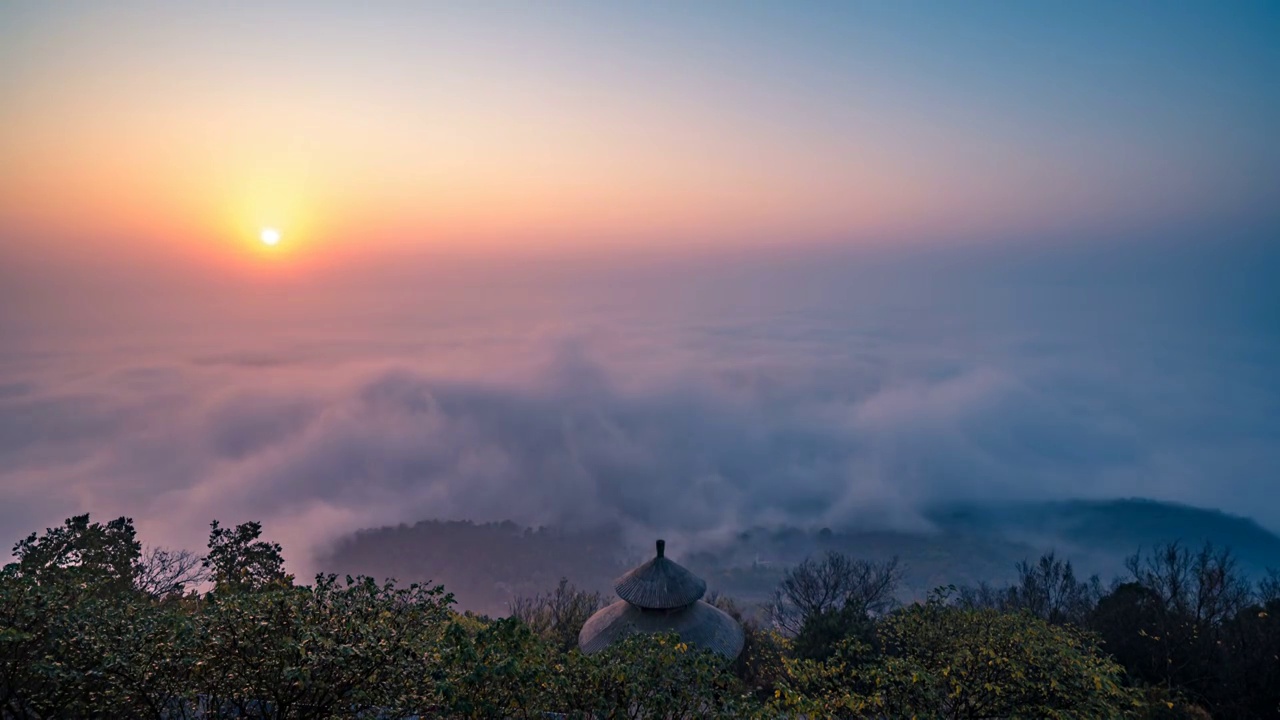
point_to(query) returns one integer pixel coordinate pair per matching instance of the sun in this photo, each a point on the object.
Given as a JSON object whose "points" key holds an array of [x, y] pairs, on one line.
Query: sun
{"points": [[269, 236]]}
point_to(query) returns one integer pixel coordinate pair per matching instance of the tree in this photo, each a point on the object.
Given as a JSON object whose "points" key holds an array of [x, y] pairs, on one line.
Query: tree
{"points": [[117, 656], [1172, 634], [1269, 587], [239, 561], [824, 633], [1205, 587], [760, 663], [332, 649], [651, 677], [943, 661], [1188, 624], [163, 573], [99, 558], [557, 616], [1126, 620], [834, 583], [502, 670], [1050, 591], [76, 640], [1250, 663], [1047, 589]]}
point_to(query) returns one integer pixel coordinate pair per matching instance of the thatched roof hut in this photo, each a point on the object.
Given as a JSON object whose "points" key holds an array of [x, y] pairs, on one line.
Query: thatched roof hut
{"points": [[660, 596]]}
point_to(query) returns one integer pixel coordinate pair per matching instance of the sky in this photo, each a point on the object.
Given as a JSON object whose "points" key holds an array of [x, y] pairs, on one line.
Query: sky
{"points": [[155, 128], [561, 262]]}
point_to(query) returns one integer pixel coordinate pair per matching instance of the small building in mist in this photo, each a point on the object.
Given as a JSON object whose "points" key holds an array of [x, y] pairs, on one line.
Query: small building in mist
{"points": [[661, 596]]}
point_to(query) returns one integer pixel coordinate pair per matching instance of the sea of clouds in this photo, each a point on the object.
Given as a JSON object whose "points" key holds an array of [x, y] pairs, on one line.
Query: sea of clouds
{"points": [[695, 401]]}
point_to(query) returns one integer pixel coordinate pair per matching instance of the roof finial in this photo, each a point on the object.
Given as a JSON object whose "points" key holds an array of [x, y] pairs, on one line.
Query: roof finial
{"points": [[662, 546]]}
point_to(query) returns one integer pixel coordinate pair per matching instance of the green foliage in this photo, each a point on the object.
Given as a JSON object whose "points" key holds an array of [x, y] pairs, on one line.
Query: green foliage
{"points": [[824, 632], [761, 664], [943, 661], [557, 616], [1158, 703], [983, 663], [505, 670], [89, 629], [69, 653], [502, 670], [318, 651], [652, 677], [239, 561], [90, 555]]}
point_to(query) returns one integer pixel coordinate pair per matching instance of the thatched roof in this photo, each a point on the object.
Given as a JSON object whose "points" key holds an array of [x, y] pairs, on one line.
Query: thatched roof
{"points": [[699, 624], [660, 584]]}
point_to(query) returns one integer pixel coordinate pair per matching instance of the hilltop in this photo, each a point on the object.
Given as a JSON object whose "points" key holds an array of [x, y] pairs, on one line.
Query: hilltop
{"points": [[485, 565]]}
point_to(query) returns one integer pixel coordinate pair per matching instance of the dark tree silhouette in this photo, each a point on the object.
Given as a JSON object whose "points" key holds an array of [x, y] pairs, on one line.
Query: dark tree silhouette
{"points": [[837, 582], [163, 572], [238, 560]]}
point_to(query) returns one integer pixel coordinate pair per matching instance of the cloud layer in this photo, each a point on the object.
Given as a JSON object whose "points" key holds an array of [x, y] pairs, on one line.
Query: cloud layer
{"points": [[690, 413]]}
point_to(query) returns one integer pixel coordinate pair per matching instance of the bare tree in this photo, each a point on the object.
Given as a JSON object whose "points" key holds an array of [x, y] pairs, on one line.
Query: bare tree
{"points": [[984, 595], [1207, 587], [558, 615], [837, 582], [162, 572], [1269, 587], [1050, 590], [1192, 596]]}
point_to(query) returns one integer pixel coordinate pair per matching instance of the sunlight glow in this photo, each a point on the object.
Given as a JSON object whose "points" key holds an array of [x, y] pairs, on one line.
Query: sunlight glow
{"points": [[269, 236]]}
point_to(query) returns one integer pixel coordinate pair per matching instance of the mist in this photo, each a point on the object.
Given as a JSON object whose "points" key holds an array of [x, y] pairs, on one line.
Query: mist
{"points": [[694, 396]]}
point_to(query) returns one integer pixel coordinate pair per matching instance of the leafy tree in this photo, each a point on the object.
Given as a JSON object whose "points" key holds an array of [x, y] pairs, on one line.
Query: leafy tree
{"points": [[328, 650], [28, 615], [652, 677], [90, 627], [822, 634], [503, 670], [76, 639], [117, 656], [239, 561], [948, 662], [760, 664], [102, 558]]}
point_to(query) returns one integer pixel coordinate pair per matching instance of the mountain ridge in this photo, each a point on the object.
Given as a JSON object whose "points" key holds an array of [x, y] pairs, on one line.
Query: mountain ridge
{"points": [[486, 565]]}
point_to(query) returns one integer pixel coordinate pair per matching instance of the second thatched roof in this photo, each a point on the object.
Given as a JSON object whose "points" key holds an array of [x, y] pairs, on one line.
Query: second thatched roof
{"points": [[660, 584]]}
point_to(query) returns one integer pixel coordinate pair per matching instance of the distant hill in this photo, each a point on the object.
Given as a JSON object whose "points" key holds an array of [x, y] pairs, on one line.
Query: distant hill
{"points": [[485, 565], [1101, 529]]}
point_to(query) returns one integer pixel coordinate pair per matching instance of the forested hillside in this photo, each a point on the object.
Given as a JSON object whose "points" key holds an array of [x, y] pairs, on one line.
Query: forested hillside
{"points": [[487, 565], [93, 626]]}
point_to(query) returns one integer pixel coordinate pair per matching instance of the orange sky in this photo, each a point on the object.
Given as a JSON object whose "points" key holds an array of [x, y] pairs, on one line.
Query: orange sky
{"points": [[150, 128]]}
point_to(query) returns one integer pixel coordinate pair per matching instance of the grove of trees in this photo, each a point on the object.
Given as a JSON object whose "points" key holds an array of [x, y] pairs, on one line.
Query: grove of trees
{"points": [[94, 626]]}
